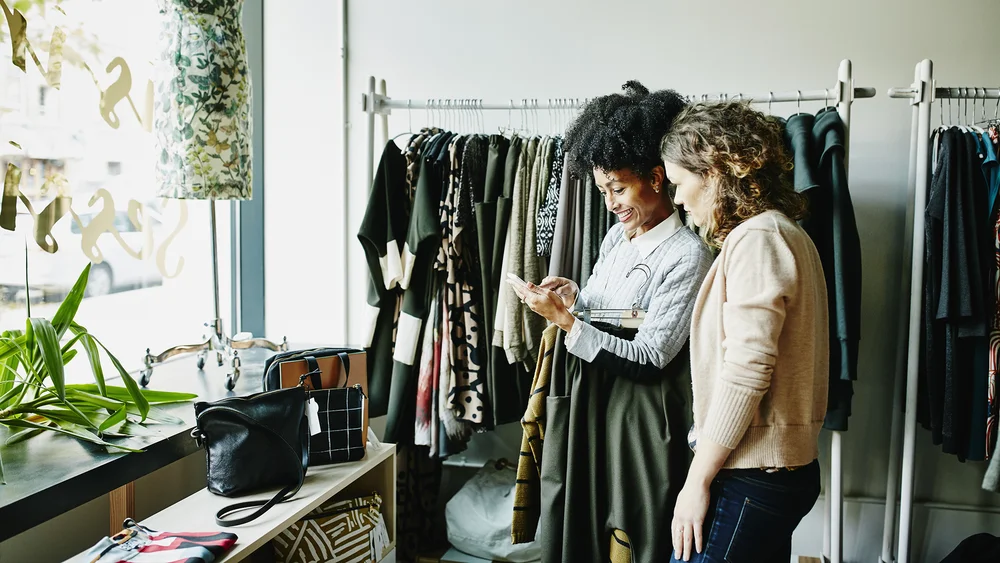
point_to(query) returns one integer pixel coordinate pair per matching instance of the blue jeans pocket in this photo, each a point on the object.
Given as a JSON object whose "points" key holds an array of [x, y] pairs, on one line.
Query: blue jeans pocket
{"points": [[762, 534]]}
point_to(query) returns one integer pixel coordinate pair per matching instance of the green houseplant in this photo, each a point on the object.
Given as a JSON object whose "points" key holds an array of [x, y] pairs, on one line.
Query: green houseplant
{"points": [[35, 398]]}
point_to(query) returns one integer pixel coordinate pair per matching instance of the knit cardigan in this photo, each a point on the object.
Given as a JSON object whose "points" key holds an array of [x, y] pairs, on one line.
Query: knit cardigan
{"points": [[760, 346]]}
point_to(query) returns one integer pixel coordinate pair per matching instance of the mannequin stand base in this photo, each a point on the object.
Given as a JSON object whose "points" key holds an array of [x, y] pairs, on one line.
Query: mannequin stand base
{"points": [[226, 350]]}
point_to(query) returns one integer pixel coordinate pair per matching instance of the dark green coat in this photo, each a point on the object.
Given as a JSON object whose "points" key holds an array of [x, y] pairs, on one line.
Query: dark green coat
{"points": [[818, 147]]}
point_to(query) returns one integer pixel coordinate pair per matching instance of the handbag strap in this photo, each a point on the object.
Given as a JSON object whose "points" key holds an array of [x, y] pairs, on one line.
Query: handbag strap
{"points": [[345, 360], [265, 505], [315, 373]]}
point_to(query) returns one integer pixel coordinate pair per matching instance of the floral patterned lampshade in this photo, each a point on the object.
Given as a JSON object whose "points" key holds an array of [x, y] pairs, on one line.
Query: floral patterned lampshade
{"points": [[203, 122]]}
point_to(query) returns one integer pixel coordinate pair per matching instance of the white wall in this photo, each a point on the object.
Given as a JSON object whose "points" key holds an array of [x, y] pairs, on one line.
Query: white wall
{"points": [[518, 49]]}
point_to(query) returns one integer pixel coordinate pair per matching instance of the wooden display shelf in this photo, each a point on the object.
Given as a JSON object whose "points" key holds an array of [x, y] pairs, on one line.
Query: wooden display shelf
{"points": [[375, 473]]}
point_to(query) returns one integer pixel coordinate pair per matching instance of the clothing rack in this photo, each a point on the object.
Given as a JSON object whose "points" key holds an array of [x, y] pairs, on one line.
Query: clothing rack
{"points": [[843, 94], [922, 94]]}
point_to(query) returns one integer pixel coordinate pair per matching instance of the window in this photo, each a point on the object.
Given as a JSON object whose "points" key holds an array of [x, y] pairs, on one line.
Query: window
{"points": [[151, 279]]}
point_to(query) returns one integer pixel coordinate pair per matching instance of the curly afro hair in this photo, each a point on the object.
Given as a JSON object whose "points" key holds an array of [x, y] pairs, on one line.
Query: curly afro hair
{"points": [[620, 131]]}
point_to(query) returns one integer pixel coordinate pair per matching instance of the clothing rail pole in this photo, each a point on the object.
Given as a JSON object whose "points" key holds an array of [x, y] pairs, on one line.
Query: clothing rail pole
{"points": [[371, 110], [925, 96], [953, 92], [385, 118], [380, 104], [889, 527], [834, 531]]}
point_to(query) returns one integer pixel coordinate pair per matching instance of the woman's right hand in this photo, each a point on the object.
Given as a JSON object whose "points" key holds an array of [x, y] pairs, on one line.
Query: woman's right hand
{"points": [[563, 287]]}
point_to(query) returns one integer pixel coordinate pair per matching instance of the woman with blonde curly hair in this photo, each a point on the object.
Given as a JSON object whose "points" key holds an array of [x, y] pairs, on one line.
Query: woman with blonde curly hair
{"points": [[759, 340]]}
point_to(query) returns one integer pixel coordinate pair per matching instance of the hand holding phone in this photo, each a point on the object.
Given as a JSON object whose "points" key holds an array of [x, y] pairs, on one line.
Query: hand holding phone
{"points": [[515, 281]]}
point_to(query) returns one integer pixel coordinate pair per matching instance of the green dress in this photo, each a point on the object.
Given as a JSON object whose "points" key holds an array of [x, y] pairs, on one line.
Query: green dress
{"points": [[203, 121]]}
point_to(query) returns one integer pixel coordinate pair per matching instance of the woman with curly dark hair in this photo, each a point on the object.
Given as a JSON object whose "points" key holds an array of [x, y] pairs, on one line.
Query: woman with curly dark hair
{"points": [[651, 261], [759, 340]]}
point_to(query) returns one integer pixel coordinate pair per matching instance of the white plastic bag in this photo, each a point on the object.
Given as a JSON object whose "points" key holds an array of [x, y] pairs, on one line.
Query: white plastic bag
{"points": [[479, 517]]}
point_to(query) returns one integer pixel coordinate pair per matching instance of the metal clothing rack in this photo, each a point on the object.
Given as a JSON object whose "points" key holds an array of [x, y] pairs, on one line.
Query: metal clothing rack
{"points": [[842, 94], [922, 94]]}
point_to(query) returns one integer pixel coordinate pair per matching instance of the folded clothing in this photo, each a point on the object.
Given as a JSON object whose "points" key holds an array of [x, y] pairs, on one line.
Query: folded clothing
{"points": [[139, 544]]}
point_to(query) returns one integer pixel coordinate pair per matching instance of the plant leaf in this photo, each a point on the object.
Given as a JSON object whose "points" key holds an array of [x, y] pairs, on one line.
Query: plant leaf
{"points": [[8, 373], [67, 310], [29, 343], [23, 435], [67, 357], [51, 354], [113, 420], [156, 415], [10, 394], [152, 396], [99, 400], [94, 355], [133, 388], [64, 415], [10, 341], [68, 429], [130, 428]]}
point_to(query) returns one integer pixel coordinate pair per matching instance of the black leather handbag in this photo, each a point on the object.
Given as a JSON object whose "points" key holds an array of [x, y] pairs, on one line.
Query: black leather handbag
{"points": [[252, 443]]}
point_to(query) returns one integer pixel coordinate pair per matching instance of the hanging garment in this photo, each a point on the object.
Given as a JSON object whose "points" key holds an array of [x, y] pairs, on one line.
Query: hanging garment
{"points": [[567, 244], [421, 247], [991, 481], [533, 323], [818, 150], [426, 378], [993, 281], [382, 233], [506, 389], [978, 414], [468, 391], [955, 363], [501, 255], [513, 330], [420, 526], [550, 204], [527, 492], [591, 220]]}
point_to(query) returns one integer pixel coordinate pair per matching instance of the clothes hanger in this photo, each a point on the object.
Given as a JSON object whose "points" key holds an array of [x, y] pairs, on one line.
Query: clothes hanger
{"points": [[625, 318]]}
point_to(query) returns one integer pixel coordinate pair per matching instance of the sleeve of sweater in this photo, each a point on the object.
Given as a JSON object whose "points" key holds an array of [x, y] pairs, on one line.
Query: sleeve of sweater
{"points": [[662, 334], [760, 274]]}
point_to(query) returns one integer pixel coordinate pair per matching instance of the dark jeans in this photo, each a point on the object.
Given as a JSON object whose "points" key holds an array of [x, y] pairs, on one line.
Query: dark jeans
{"points": [[752, 514]]}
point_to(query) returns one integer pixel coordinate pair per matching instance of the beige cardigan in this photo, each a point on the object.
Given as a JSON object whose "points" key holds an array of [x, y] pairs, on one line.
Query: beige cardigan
{"points": [[760, 346]]}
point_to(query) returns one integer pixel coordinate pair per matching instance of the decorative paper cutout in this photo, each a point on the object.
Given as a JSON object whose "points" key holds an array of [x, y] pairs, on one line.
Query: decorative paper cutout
{"points": [[11, 189], [59, 207], [18, 35], [120, 90], [19, 45], [44, 221]]}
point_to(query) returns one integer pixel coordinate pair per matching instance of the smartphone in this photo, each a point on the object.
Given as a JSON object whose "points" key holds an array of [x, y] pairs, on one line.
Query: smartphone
{"points": [[516, 281]]}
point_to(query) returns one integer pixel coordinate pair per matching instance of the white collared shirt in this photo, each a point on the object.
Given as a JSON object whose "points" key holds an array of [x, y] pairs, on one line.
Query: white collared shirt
{"points": [[647, 242]]}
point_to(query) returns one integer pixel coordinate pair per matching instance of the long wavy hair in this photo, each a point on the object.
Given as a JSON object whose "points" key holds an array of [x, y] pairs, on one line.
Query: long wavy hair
{"points": [[740, 153]]}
